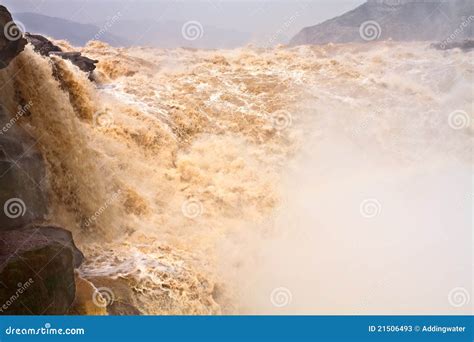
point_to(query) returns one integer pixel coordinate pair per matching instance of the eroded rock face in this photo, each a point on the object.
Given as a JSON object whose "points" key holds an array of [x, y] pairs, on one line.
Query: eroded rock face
{"points": [[23, 194], [22, 170], [37, 262], [11, 40], [37, 271]]}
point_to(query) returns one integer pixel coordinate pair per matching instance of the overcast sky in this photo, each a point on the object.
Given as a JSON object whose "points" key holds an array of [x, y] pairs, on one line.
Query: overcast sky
{"points": [[258, 17]]}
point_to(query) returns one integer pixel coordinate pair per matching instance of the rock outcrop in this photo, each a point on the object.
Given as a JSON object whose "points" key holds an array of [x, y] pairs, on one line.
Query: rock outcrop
{"points": [[41, 44], [22, 170], [37, 271], [37, 261], [401, 20], [11, 40], [45, 47], [23, 186]]}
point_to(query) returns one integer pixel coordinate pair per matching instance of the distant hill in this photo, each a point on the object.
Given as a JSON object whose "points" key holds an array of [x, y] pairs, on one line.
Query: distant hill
{"points": [[404, 20], [75, 33], [144, 32], [172, 34]]}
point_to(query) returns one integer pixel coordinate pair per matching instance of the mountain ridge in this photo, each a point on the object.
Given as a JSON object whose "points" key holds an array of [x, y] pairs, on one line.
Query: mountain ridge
{"points": [[118, 33], [397, 20], [59, 28]]}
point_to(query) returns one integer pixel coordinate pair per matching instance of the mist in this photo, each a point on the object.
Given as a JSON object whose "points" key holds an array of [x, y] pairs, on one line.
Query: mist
{"points": [[251, 21], [404, 255], [376, 210]]}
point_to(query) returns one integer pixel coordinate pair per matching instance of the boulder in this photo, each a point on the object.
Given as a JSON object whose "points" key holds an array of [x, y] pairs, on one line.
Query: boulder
{"points": [[45, 47], [11, 38], [41, 44], [82, 62], [37, 271]]}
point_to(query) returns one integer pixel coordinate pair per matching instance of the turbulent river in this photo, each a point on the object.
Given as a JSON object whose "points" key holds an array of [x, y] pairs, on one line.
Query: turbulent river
{"points": [[332, 179]]}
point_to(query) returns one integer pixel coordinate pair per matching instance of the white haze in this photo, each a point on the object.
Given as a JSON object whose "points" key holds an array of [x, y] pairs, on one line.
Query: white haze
{"points": [[333, 260], [260, 19], [394, 146]]}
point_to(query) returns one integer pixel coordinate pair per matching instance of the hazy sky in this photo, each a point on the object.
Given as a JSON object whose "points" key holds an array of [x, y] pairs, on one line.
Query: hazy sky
{"points": [[257, 17]]}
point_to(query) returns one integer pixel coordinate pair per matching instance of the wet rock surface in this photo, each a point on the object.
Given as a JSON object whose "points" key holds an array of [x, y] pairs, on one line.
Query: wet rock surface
{"points": [[23, 186], [41, 44], [22, 171], [11, 40], [37, 271], [37, 261], [45, 47]]}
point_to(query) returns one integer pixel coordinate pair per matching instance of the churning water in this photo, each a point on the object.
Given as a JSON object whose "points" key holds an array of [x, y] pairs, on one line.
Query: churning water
{"points": [[332, 179]]}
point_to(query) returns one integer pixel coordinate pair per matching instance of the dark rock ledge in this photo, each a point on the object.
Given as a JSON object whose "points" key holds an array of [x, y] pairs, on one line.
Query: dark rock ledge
{"points": [[46, 48], [37, 260]]}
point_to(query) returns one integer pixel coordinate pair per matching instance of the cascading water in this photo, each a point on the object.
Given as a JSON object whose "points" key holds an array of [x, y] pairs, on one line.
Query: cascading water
{"points": [[205, 180]]}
